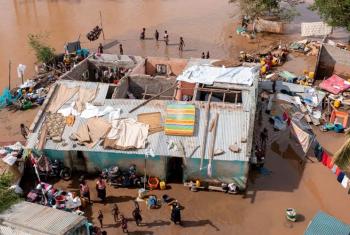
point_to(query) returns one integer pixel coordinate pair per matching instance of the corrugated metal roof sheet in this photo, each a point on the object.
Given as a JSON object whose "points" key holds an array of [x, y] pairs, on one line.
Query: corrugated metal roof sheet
{"points": [[234, 126], [36, 219], [324, 224]]}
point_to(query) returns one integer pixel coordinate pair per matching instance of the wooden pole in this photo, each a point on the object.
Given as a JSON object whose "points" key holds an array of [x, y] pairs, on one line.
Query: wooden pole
{"points": [[9, 74], [154, 97], [213, 129], [205, 131], [103, 32]]}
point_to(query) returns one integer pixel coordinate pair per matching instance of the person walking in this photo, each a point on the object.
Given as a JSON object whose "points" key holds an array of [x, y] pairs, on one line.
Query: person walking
{"points": [[208, 56], [124, 223], [136, 214], [176, 213], [115, 212], [203, 55], [143, 34], [166, 37], [121, 51], [264, 136], [101, 189], [156, 35], [84, 189], [181, 44], [100, 218], [24, 131], [100, 49]]}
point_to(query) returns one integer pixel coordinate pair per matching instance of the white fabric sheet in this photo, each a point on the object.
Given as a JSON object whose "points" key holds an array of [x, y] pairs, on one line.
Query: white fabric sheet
{"points": [[209, 74]]}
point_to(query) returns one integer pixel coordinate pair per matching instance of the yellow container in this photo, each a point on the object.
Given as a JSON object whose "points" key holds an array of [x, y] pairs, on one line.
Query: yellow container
{"points": [[162, 185], [263, 69], [337, 103], [311, 75], [198, 183]]}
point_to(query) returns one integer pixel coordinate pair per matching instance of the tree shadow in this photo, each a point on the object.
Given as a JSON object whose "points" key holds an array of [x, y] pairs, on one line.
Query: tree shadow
{"points": [[198, 223]]}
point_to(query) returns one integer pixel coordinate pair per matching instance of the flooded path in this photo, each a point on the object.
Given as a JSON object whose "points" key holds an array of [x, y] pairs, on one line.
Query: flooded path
{"points": [[206, 25]]}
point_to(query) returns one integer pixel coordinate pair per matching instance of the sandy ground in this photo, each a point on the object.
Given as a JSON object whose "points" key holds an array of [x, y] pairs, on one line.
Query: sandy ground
{"points": [[308, 187], [10, 124]]}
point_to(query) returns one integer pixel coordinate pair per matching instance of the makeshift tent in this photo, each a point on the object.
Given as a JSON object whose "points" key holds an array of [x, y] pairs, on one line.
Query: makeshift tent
{"points": [[335, 84], [315, 29], [180, 119], [208, 75], [303, 137]]}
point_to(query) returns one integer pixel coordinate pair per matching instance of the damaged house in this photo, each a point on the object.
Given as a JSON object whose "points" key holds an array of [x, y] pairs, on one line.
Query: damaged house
{"points": [[189, 119]]}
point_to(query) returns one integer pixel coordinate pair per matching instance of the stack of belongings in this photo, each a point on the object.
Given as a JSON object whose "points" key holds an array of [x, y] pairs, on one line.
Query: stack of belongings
{"points": [[180, 119]]}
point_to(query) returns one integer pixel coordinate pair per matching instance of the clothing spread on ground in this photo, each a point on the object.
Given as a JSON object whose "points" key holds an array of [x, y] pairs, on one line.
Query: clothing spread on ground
{"points": [[208, 75], [127, 134], [91, 132], [180, 119]]}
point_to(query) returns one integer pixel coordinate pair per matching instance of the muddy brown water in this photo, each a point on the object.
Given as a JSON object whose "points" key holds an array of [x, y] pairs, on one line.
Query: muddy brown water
{"points": [[206, 25]]}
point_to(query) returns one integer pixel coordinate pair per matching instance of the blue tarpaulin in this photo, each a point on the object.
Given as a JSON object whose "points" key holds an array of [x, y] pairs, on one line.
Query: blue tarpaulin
{"points": [[324, 224]]}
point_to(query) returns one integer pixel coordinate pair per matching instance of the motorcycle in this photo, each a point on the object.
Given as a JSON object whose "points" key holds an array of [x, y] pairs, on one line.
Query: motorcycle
{"points": [[115, 177], [55, 168]]}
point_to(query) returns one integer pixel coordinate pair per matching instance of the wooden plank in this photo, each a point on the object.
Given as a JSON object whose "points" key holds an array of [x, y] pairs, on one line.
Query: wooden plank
{"points": [[205, 131]]}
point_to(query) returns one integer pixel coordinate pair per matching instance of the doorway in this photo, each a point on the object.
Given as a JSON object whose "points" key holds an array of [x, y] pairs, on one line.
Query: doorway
{"points": [[175, 170]]}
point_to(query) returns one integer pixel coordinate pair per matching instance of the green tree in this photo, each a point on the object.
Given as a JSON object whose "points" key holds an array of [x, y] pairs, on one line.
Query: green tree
{"points": [[261, 8], [43, 52], [335, 12], [7, 196]]}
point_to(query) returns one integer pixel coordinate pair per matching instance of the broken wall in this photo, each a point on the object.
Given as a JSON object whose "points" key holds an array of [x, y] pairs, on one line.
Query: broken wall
{"points": [[76, 72], [139, 84], [121, 89], [333, 60], [176, 65]]}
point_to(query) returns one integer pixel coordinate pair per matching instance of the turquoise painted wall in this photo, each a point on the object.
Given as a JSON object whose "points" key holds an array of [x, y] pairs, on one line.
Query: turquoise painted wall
{"points": [[95, 161], [222, 171]]}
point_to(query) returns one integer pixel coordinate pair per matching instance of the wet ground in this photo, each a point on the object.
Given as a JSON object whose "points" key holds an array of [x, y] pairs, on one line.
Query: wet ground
{"points": [[206, 25], [285, 182]]}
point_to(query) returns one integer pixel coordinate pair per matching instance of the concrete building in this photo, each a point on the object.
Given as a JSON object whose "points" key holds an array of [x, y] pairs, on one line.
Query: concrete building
{"points": [[167, 82]]}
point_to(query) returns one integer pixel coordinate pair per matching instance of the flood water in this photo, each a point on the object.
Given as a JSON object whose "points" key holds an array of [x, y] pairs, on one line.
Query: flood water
{"points": [[205, 25]]}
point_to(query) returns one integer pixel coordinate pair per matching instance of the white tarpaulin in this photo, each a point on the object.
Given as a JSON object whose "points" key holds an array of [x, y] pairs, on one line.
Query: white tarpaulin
{"points": [[208, 75], [315, 29]]}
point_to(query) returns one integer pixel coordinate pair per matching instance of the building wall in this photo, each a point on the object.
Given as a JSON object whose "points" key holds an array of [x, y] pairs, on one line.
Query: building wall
{"points": [[76, 72], [333, 60], [138, 84], [222, 171], [93, 162], [176, 65]]}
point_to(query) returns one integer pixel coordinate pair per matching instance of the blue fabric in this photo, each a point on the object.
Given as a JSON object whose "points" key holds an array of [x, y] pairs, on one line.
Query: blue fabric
{"points": [[340, 177]]}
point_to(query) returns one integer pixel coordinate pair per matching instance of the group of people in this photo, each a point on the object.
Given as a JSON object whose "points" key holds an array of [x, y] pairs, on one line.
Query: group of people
{"points": [[165, 38], [100, 49]]}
